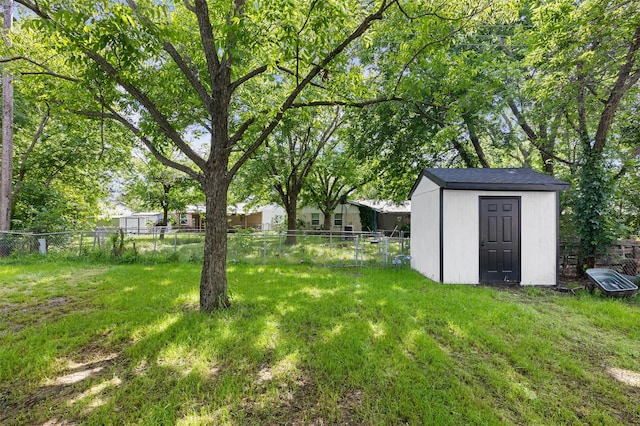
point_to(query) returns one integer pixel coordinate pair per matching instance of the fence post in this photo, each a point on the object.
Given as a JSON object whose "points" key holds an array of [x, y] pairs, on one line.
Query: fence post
{"points": [[355, 254], [264, 234], [386, 251], [42, 245], [80, 243], [154, 239], [175, 243]]}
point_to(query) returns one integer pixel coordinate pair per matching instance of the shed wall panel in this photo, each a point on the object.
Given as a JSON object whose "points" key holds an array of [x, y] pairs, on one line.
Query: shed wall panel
{"points": [[425, 229], [461, 236]]}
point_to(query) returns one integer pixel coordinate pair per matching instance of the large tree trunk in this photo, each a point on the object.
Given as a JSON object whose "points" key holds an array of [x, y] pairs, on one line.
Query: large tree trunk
{"points": [[292, 218], [326, 225], [213, 281], [6, 172]]}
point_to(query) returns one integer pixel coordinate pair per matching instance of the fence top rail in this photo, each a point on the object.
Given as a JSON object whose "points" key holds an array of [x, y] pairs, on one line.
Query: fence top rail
{"points": [[16, 232]]}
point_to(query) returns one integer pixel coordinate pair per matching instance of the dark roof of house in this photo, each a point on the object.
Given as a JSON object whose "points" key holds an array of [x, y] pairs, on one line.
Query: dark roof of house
{"points": [[492, 180]]}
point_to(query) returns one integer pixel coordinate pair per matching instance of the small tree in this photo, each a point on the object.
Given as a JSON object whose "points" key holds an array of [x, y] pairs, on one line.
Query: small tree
{"points": [[282, 168], [151, 185], [336, 175]]}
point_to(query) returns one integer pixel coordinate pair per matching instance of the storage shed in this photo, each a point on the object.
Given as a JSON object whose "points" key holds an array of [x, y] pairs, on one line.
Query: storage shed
{"points": [[472, 226]]}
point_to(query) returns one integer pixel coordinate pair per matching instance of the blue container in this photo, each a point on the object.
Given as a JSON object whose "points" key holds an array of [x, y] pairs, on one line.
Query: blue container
{"points": [[610, 282]]}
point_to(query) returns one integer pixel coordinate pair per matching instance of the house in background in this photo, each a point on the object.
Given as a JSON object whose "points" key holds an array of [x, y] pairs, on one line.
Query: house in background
{"points": [[265, 218], [386, 216], [139, 223], [472, 226], [345, 218], [191, 218], [111, 212]]}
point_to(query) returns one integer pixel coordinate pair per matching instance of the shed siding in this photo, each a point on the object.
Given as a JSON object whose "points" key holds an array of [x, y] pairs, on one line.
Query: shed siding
{"points": [[461, 236], [425, 229]]}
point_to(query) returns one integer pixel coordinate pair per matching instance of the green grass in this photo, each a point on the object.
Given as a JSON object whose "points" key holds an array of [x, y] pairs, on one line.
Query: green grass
{"points": [[126, 344]]}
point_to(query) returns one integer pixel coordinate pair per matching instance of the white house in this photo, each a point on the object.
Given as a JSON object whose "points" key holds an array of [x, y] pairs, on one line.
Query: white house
{"points": [[472, 226], [266, 218], [345, 217], [139, 223]]}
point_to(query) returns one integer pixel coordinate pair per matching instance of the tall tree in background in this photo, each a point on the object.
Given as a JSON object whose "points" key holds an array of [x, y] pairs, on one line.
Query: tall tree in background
{"points": [[335, 176], [587, 58], [63, 163], [281, 169], [6, 166]]}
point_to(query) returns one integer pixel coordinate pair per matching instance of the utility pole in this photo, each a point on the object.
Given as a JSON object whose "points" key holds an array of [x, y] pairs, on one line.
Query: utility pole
{"points": [[6, 170]]}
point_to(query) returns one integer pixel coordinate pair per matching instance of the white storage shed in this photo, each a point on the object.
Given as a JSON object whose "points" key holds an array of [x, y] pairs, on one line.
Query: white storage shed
{"points": [[472, 226]]}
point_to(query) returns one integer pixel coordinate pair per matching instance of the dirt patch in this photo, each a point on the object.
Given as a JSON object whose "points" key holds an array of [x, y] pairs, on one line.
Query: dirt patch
{"points": [[21, 401], [628, 377], [18, 316], [295, 402]]}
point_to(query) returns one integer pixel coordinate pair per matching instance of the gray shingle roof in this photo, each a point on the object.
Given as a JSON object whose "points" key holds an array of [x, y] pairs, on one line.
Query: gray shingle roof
{"points": [[492, 180]]}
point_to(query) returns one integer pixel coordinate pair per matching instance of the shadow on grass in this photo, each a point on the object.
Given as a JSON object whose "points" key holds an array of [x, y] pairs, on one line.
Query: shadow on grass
{"points": [[305, 345]]}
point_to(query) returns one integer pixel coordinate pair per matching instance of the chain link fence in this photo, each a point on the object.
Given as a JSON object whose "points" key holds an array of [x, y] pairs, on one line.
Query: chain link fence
{"points": [[268, 247]]}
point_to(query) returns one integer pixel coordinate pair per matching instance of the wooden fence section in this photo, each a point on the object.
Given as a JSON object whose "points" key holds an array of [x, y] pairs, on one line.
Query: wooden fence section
{"points": [[622, 256]]}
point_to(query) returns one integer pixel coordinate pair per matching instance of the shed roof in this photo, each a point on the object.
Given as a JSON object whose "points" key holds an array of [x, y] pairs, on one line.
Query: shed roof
{"points": [[512, 179]]}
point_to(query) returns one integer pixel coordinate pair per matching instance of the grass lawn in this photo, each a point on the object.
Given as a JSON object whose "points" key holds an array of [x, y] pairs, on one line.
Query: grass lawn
{"points": [[126, 344]]}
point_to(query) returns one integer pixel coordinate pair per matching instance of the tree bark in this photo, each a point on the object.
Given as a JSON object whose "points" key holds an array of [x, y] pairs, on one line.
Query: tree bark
{"points": [[475, 141], [213, 280], [6, 171], [165, 209], [326, 224], [291, 207]]}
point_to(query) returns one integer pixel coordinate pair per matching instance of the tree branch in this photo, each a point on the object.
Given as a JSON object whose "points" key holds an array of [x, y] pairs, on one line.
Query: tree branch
{"points": [[141, 97], [237, 136], [475, 141], [35, 8], [532, 135], [360, 104], [46, 72], [288, 103], [113, 115], [190, 7], [206, 36], [234, 85], [191, 75], [256, 72], [624, 82], [25, 156], [416, 54]]}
